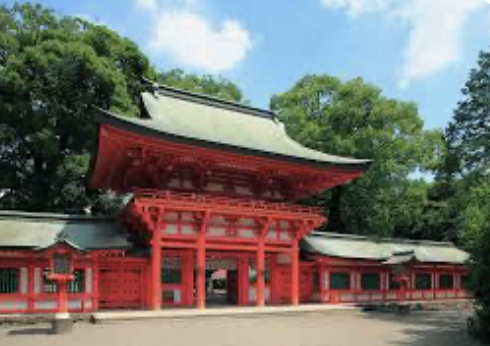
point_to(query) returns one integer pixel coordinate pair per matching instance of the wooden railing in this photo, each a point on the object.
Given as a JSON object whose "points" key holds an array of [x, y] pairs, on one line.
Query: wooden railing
{"points": [[183, 198]]}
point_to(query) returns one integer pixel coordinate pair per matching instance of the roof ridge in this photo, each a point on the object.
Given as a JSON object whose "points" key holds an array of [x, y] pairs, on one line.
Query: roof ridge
{"points": [[210, 100], [383, 239], [18, 214]]}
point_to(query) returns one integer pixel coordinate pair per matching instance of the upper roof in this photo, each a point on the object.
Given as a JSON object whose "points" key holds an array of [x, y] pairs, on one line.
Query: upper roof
{"points": [[201, 119], [360, 247], [40, 230]]}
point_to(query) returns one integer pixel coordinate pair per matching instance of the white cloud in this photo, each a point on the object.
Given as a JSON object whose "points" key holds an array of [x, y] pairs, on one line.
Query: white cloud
{"points": [[189, 38], [149, 5], [435, 37], [435, 27], [359, 7]]}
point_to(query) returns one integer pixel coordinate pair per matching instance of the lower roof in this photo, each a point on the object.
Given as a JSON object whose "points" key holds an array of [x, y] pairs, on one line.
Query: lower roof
{"points": [[41, 230], [360, 247]]}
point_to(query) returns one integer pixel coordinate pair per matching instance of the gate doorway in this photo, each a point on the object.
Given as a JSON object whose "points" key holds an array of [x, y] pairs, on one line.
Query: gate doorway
{"points": [[231, 279], [222, 280]]}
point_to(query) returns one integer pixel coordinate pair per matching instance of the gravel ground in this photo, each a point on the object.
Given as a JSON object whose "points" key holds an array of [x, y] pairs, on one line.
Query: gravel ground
{"points": [[431, 328]]}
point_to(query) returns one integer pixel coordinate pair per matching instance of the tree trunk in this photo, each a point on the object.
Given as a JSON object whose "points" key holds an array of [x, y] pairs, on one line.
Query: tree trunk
{"points": [[335, 221]]}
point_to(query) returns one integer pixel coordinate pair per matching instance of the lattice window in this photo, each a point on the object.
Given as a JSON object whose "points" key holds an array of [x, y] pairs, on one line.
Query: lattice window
{"points": [[423, 282], [394, 285], [370, 281], [9, 280], [75, 286], [252, 277], [446, 281], [339, 281], [172, 262], [49, 286], [171, 270], [465, 282], [171, 276], [221, 263]]}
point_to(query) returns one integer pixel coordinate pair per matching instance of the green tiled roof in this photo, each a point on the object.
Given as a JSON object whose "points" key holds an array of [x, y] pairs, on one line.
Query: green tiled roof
{"points": [[210, 121], [401, 257], [39, 230], [359, 247]]}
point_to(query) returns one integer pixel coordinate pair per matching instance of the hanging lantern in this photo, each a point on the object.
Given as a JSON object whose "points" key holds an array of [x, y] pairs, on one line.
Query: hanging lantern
{"points": [[401, 264], [401, 271], [61, 267]]}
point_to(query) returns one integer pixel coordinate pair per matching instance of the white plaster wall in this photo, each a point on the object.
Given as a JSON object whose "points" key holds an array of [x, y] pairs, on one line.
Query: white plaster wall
{"points": [[88, 280], [45, 305], [326, 279], [24, 280], [37, 280], [12, 305], [252, 294]]}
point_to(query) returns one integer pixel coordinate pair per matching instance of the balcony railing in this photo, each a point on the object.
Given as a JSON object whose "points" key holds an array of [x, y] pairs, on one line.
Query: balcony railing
{"points": [[184, 198]]}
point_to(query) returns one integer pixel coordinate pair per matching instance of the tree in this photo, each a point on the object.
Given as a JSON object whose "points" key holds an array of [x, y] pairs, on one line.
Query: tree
{"points": [[466, 178], [53, 70], [355, 119], [468, 135], [209, 85]]}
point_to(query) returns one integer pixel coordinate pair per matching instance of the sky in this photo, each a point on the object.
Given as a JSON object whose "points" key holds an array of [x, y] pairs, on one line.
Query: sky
{"points": [[414, 50]]}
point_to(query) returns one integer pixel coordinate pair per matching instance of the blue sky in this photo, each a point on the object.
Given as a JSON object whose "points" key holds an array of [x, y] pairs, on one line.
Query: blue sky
{"points": [[417, 50]]}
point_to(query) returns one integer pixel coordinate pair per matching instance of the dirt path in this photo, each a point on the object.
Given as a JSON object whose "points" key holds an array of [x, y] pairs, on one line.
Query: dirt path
{"points": [[312, 329]]}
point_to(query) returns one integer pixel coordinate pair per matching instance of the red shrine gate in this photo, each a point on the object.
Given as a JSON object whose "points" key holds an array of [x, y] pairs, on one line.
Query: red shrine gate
{"points": [[210, 179], [190, 228]]}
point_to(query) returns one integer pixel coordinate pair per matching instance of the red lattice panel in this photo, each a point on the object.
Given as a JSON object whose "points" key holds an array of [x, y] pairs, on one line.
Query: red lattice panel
{"points": [[121, 287], [283, 277]]}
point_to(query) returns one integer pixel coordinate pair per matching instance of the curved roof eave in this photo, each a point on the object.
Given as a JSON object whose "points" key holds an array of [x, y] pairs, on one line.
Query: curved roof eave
{"points": [[135, 126]]}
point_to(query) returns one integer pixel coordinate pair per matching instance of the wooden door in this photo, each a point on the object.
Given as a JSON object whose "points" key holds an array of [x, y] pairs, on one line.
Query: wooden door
{"points": [[121, 286]]}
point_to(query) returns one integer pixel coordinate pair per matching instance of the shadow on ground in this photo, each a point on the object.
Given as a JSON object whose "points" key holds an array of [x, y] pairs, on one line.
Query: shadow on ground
{"points": [[434, 328], [31, 331]]}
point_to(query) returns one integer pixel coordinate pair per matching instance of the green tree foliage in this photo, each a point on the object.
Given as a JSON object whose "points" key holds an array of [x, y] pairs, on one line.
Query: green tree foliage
{"points": [[468, 135], [209, 85], [355, 119], [465, 179], [53, 70], [473, 224]]}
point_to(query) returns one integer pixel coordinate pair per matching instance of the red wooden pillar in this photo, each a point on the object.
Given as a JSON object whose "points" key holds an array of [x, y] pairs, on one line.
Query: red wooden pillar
{"points": [[243, 281], [30, 288], [261, 270], [384, 284], [201, 262], [95, 284], [321, 278], [433, 284], [201, 271], [272, 279], [190, 278], [156, 269], [260, 284], [295, 272]]}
